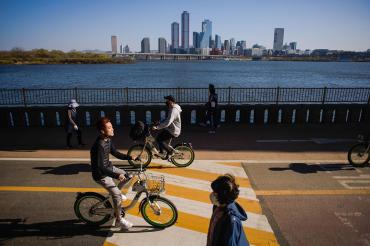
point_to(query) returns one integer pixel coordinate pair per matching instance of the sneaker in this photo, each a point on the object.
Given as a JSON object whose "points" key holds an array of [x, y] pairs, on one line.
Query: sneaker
{"points": [[123, 197], [123, 223]]}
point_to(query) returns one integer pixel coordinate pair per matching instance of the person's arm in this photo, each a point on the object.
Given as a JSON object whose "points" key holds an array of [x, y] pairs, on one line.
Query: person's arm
{"points": [[118, 154], [70, 118], [101, 166], [170, 118]]}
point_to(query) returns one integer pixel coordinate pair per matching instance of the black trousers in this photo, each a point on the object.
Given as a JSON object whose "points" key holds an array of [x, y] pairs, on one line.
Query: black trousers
{"points": [[79, 137], [164, 139]]}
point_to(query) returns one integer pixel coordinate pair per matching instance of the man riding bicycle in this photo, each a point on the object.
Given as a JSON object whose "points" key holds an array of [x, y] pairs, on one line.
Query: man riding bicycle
{"points": [[171, 127], [103, 172]]}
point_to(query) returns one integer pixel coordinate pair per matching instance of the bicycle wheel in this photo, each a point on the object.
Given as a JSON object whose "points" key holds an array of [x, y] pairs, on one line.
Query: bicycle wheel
{"points": [[357, 155], [85, 209], [161, 214], [183, 157], [145, 157]]}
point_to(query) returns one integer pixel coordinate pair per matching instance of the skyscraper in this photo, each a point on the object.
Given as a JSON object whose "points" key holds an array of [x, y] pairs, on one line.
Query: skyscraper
{"points": [[218, 42], [196, 40], [232, 45], [113, 41], [185, 30], [121, 49], [175, 35], [206, 34], [227, 47], [293, 45], [145, 45], [278, 39], [162, 45]]}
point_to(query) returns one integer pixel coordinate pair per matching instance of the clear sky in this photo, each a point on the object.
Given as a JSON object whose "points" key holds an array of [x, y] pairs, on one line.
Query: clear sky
{"points": [[88, 24]]}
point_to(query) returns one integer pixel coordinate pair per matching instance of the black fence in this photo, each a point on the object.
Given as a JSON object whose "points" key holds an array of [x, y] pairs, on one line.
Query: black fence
{"points": [[144, 96]]}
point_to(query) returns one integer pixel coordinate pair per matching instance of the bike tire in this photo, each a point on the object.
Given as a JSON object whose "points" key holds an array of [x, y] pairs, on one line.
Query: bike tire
{"points": [[357, 150], [184, 149], [82, 215], [145, 209], [137, 148]]}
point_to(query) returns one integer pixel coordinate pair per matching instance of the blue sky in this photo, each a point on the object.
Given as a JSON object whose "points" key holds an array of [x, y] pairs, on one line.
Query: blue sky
{"points": [[88, 24]]}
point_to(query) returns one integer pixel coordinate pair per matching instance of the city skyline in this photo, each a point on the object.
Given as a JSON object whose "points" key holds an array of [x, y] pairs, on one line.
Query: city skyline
{"points": [[88, 25]]}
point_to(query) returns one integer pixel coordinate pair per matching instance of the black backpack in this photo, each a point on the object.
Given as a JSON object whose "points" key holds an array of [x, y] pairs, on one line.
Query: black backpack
{"points": [[138, 131]]}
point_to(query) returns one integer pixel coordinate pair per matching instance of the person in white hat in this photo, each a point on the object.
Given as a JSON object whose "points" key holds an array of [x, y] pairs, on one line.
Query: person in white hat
{"points": [[71, 125]]}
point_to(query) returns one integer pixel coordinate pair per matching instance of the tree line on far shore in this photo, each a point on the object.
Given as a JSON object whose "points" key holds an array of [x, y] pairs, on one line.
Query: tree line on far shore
{"points": [[43, 56]]}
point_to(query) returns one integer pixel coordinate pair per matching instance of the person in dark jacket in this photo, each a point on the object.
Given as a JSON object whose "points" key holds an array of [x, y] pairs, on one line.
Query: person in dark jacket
{"points": [[212, 108], [225, 228], [72, 124], [103, 171]]}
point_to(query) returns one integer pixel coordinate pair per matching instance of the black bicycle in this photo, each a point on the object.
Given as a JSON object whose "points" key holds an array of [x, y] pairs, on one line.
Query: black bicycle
{"points": [[143, 153], [96, 209], [359, 154]]}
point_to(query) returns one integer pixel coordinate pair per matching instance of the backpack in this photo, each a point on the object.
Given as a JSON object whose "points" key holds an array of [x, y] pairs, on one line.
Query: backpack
{"points": [[138, 131]]}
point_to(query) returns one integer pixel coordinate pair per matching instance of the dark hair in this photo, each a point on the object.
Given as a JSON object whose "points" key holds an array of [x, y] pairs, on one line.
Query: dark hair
{"points": [[226, 189], [100, 124], [212, 89]]}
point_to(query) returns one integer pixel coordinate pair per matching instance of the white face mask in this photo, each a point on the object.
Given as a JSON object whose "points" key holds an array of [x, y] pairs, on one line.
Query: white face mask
{"points": [[213, 198]]}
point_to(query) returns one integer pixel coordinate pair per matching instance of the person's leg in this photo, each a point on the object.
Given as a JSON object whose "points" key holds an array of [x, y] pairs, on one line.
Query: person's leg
{"points": [[79, 137], [69, 136], [159, 140], [113, 190], [166, 139]]}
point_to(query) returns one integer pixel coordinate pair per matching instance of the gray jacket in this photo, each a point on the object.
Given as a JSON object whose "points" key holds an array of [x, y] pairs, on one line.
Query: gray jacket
{"points": [[173, 121]]}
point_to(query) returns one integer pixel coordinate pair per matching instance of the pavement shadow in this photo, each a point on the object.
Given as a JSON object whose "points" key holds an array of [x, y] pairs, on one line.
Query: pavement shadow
{"points": [[15, 228], [68, 169], [140, 229], [304, 168]]}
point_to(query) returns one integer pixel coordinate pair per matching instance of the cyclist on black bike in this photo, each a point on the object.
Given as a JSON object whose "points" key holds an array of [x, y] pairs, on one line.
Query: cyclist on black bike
{"points": [[171, 127], [104, 172]]}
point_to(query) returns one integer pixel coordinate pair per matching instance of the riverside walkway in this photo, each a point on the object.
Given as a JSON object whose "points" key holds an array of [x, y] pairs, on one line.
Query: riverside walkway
{"points": [[295, 185]]}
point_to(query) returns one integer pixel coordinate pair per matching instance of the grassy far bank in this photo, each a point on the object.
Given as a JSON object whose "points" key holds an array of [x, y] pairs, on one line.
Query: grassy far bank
{"points": [[42, 56]]}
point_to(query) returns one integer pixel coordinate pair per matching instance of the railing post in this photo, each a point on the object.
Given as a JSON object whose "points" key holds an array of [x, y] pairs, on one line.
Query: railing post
{"points": [[24, 97], [76, 94], [126, 89], [368, 100], [178, 96], [229, 102], [324, 95], [277, 95]]}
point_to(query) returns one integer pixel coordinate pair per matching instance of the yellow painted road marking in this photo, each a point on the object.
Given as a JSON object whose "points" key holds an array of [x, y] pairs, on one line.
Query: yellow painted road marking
{"points": [[311, 192], [203, 196], [195, 174], [106, 243], [232, 164]]}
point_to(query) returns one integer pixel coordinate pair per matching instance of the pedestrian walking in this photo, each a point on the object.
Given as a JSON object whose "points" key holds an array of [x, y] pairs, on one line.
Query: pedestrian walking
{"points": [[72, 123], [225, 228], [212, 109]]}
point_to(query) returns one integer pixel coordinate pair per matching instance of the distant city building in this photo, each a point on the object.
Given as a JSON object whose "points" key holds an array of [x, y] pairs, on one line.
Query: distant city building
{"points": [[126, 49], [114, 43], [278, 39], [185, 30], [175, 34], [206, 34], [243, 44], [145, 45], [218, 41], [286, 46], [226, 47], [293, 45], [212, 44], [232, 46], [121, 49], [196, 40], [162, 45]]}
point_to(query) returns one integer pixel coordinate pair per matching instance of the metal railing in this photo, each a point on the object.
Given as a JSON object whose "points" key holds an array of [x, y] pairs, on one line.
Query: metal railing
{"points": [[142, 96]]}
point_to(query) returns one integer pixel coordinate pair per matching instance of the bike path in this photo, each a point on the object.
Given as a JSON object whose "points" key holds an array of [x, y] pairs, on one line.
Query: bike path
{"points": [[189, 189]]}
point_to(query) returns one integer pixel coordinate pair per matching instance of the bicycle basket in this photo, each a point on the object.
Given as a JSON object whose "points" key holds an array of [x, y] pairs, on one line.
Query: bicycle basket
{"points": [[155, 184]]}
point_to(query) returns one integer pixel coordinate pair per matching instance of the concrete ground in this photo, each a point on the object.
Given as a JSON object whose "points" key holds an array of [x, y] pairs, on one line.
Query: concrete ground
{"points": [[299, 174]]}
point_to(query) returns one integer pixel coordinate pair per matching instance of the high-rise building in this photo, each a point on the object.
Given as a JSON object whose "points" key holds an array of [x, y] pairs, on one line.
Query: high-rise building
{"points": [[185, 30], [145, 45], [196, 40], [232, 45], [226, 47], [126, 49], [113, 41], [175, 35], [162, 45], [206, 34], [121, 49], [293, 45], [218, 42], [243, 44], [278, 39]]}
